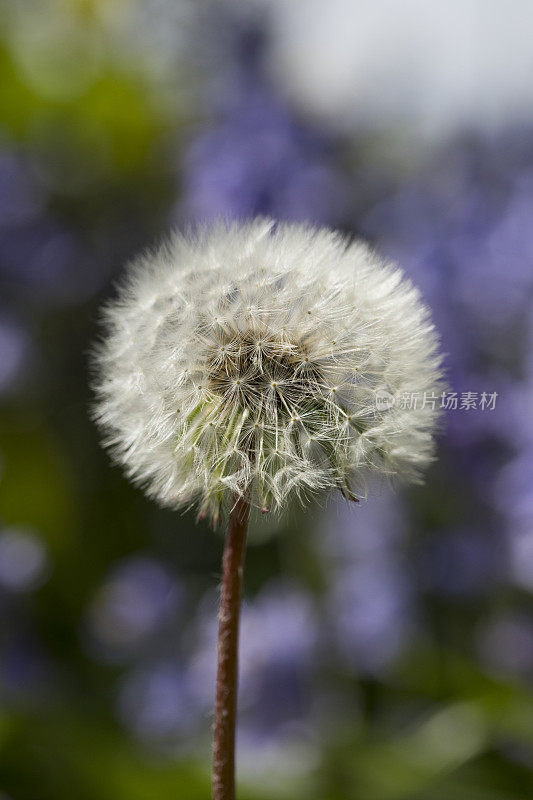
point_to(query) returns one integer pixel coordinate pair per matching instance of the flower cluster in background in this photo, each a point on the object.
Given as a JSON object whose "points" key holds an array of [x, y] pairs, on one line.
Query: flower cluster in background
{"points": [[387, 649]]}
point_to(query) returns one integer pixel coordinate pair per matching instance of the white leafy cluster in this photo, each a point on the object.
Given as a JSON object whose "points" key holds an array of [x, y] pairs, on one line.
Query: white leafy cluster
{"points": [[247, 358]]}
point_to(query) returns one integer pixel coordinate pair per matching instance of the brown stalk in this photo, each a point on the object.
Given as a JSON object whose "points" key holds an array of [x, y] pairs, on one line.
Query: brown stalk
{"points": [[228, 643]]}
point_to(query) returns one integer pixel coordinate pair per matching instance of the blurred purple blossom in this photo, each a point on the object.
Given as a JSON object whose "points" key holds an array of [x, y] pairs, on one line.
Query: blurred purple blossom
{"points": [[464, 239], [156, 704], [369, 603], [24, 560], [279, 635], [20, 199], [168, 700], [130, 607], [462, 562], [257, 157], [506, 644], [42, 258], [24, 668], [47, 261], [369, 613], [461, 229], [15, 352]]}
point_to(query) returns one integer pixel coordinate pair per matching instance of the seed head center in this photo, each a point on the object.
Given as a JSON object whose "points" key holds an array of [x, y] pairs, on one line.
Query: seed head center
{"points": [[258, 369]]}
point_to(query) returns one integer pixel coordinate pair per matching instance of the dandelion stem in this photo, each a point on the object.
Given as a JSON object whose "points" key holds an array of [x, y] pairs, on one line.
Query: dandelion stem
{"points": [[228, 641]]}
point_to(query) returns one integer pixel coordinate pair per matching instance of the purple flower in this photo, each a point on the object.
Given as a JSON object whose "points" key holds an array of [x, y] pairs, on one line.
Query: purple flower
{"points": [[462, 562], [21, 201], [130, 607], [462, 230], [156, 704], [15, 352], [506, 645], [277, 656], [369, 611], [369, 603], [258, 159], [24, 560]]}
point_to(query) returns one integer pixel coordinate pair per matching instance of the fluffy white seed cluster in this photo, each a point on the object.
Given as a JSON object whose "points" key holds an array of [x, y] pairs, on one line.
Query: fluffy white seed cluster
{"points": [[252, 358]]}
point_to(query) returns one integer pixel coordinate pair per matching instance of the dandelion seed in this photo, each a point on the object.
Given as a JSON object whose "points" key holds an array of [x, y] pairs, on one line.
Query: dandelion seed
{"points": [[186, 322]]}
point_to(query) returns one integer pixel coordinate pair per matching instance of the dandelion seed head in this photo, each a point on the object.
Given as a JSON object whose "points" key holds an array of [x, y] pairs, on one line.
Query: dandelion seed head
{"points": [[247, 357]]}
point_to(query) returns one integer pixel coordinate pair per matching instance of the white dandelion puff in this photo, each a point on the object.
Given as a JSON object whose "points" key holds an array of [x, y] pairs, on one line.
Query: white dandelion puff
{"points": [[250, 358]]}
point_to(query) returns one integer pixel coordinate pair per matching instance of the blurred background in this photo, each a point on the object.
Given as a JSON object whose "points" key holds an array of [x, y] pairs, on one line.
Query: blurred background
{"points": [[387, 650]]}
